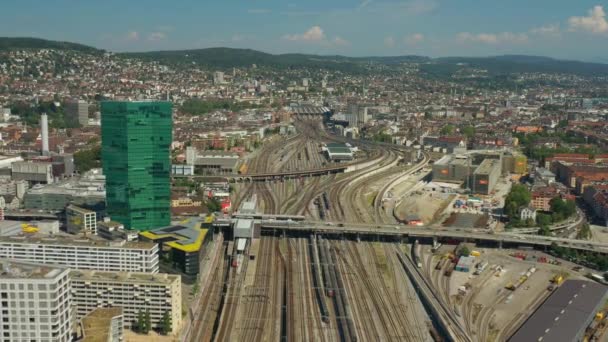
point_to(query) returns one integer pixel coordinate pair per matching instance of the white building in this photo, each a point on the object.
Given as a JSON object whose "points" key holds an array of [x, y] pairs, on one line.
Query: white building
{"points": [[159, 294], [80, 219], [218, 77], [79, 253], [35, 303]]}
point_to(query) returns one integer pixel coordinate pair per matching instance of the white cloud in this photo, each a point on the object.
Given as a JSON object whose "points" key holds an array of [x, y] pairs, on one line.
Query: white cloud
{"points": [[314, 34], [258, 11], [339, 41], [595, 22], [414, 38], [492, 38], [156, 36], [132, 36], [547, 30], [389, 42]]}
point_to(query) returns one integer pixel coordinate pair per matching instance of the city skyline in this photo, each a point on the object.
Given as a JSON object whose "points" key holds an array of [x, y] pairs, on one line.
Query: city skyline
{"points": [[569, 30]]}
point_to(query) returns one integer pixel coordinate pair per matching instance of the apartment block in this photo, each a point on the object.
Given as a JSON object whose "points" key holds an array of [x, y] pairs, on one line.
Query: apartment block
{"points": [[159, 294], [79, 253], [35, 303]]}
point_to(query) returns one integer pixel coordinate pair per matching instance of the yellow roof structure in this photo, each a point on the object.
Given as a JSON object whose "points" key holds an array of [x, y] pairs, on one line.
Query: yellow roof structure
{"points": [[187, 236]]}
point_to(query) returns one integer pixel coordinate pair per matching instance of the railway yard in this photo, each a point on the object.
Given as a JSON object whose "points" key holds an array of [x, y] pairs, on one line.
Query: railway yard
{"points": [[314, 289], [325, 288]]}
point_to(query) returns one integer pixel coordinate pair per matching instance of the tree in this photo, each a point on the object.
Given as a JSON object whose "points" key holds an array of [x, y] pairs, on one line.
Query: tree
{"points": [[517, 198], [543, 220], [166, 323], [87, 159], [544, 230], [214, 205], [584, 232], [468, 131], [140, 324], [447, 129], [464, 251], [147, 321]]}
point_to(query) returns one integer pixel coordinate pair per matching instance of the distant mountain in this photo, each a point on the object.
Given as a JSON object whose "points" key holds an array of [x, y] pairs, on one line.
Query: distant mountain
{"points": [[225, 58], [19, 43], [520, 63], [228, 58]]}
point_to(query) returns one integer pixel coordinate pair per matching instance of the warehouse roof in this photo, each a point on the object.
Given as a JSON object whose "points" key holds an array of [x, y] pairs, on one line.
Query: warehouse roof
{"points": [[564, 314]]}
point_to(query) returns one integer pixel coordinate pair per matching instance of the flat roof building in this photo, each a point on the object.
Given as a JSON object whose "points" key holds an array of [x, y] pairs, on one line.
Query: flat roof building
{"points": [[338, 152], [77, 113], [135, 150], [486, 176], [81, 253], [212, 162], [103, 325], [159, 294], [35, 303], [565, 315], [80, 219], [184, 242]]}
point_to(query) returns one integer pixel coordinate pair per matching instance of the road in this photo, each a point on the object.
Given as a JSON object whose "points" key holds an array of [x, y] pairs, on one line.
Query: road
{"points": [[427, 231]]}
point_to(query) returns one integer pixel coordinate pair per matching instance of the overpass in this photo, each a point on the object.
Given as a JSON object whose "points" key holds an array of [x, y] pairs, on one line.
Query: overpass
{"points": [[437, 234]]}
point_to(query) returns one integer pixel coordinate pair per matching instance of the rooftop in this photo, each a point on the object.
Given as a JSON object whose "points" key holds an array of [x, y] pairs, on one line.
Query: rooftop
{"points": [[72, 240], [487, 166], [97, 324], [564, 314], [14, 270], [188, 235], [124, 277]]}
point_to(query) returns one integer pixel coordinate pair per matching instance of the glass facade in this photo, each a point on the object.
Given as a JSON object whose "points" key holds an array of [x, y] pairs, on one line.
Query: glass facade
{"points": [[136, 138]]}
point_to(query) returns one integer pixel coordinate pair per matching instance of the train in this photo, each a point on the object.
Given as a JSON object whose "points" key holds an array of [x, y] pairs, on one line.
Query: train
{"points": [[326, 200], [317, 282], [416, 254]]}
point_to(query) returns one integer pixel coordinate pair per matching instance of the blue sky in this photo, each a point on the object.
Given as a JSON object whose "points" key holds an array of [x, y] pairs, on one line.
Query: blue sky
{"points": [[574, 29]]}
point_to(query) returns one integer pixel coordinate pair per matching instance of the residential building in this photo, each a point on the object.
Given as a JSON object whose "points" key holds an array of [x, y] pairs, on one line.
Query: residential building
{"points": [[35, 303], [136, 139], [541, 196], [596, 196], [77, 113], [103, 325], [80, 219], [79, 253], [218, 78], [158, 294]]}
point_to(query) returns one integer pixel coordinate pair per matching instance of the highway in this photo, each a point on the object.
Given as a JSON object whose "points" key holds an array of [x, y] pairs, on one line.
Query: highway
{"points": [[461, 233]]}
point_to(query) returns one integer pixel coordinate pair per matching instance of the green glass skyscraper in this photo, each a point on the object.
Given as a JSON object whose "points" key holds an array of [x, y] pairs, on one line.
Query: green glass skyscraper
{"points": [[135, 142]]}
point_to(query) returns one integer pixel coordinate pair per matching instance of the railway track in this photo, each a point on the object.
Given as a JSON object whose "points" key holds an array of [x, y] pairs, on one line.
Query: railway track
{"points": [[453, 326], [231, 301]]}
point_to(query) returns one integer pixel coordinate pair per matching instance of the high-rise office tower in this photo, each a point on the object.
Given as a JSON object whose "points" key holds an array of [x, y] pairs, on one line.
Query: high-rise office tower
{"points": [[77, 112], [135, 142]]}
